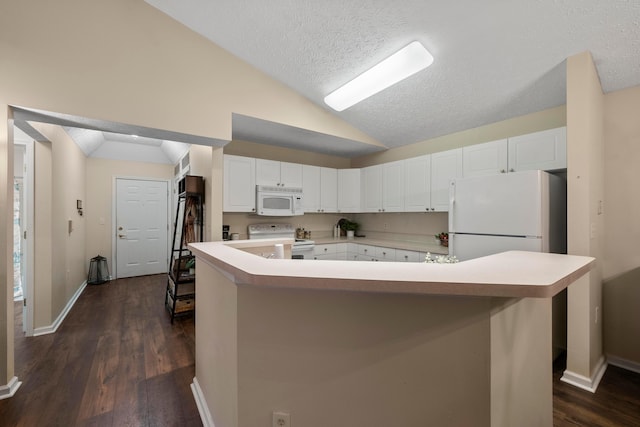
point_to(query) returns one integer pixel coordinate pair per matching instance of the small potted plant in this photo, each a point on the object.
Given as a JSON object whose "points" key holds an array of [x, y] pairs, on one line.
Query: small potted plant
{"points": [[350, 227], [444, 238]]}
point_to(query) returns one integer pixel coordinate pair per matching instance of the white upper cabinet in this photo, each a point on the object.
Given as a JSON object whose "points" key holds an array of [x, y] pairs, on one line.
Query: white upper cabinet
{"points": [[393, 187], [545, 150], [239, 190], [320, 189], [278, 174], [328, 190], [349, 190], [489, 158], [445, 166], [383, 187], [311, 188], [417, 184], [372, 188]]}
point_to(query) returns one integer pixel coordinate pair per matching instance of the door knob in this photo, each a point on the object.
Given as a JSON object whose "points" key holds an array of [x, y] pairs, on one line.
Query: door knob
{"points": [[122, 236]]}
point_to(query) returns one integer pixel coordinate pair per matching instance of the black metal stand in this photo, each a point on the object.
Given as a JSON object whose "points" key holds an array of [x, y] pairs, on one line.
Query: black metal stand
{"points": [[188, 228]]}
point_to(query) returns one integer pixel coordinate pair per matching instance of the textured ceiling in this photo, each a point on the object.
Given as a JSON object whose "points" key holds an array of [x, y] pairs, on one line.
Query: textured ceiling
{"points": [[494, 59]]}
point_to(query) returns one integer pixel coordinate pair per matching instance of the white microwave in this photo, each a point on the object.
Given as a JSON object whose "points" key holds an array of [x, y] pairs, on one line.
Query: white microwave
{"points": [[278, 201]]}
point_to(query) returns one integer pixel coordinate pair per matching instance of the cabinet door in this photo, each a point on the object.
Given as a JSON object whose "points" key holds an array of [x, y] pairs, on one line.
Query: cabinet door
{"points": [[393, 187], [546, 150], [445, 166], [290, 174], [408, 256], [489, 158], [372, 188], [349, 190], [417, 184], [385, 254], [239, 187], [311, 188], [267, 172], [328, 190]]}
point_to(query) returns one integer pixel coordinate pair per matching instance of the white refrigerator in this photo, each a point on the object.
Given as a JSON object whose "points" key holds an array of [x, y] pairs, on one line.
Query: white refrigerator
{"points": [[513, 211]]}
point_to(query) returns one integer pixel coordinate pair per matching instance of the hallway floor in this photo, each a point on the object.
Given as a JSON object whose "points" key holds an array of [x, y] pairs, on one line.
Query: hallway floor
{"points": [[115, 361]]}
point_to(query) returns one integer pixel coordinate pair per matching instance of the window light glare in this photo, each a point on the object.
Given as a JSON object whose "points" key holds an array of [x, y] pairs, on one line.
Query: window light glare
{"points": [[402, 64]]}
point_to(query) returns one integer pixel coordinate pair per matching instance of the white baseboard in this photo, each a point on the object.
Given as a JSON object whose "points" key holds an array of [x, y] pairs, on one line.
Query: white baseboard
{"points": [[55, 325], [201, 403], [585, 383], [623, 363], [10, 389]]}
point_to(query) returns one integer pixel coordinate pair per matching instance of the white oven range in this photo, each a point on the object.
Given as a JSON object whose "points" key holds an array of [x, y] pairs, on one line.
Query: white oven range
{"points": [[301, 248]]}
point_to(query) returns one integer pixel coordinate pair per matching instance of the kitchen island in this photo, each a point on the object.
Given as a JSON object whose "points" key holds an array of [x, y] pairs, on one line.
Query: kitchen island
{"points": [[375, 344]]}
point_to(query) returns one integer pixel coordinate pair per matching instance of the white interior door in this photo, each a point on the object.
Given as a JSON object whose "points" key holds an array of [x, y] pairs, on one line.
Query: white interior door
{"points": [[141, 227]]}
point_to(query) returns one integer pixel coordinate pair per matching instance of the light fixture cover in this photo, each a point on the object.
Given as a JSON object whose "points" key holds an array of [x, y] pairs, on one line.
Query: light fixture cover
{"points": [[402, 64]]}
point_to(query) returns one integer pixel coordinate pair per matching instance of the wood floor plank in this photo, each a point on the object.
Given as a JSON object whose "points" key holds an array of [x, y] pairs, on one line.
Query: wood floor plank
{"points": [[92, 371], [100, 390]]}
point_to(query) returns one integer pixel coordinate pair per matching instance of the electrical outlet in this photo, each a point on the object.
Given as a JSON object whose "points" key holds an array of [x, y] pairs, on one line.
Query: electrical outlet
{"points": [[281, 419], [386, 226]]}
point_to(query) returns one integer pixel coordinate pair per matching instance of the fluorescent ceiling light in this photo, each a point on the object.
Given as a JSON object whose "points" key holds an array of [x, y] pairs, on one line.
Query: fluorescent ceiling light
{"points": [[402, 64]]}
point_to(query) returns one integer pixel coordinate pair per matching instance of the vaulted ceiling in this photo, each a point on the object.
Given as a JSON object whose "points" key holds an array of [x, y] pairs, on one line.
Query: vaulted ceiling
{"points": [[494, 59]]}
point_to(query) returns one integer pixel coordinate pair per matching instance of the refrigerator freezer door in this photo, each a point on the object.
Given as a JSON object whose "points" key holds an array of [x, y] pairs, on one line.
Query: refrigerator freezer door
{"points": [[468, 246], [506, 204]]}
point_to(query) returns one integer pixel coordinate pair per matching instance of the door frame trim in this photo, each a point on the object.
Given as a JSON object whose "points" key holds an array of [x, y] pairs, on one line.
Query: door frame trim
{"points": [[114, 226], [29, 201]]}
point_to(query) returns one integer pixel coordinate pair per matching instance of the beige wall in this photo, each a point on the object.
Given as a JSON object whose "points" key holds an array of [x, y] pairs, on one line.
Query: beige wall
{"points": [[201, 163], [269, 152], [585, 191], [146, 74], [68, 180], [98, 203], [621, 288], [542, 120]]}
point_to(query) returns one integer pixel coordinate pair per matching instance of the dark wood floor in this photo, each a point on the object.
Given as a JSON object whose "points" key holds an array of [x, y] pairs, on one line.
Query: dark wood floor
{"points": [[115, 361], [118, 361], [616, 402]]}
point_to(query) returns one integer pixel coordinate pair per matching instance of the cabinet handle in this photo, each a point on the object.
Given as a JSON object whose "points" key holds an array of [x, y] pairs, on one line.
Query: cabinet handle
{"points": [[366, 250], [511, 170], [253, 209], [503, 171], [433, 209], [406, 257], [325, 249]]}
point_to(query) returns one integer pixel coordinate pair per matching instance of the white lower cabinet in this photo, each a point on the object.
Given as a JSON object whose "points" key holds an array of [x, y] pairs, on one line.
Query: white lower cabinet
{"points": [[366, 253], [324, 251], [385, 254], [361, 252], [408, 256], [341, 251]]}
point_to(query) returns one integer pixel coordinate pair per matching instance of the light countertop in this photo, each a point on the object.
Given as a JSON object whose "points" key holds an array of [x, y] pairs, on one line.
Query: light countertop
{"points": [[509, 274]]}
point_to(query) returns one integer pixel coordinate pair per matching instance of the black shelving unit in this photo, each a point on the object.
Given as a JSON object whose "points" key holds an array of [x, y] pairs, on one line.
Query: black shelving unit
{"points": [[180, 297]]}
